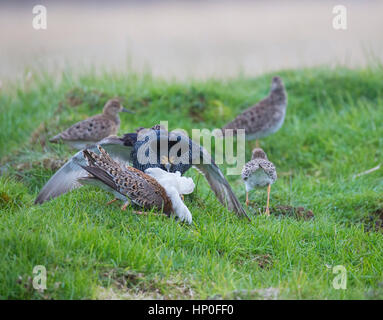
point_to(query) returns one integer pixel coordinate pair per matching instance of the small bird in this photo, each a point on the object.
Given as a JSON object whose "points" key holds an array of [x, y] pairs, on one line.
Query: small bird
{"points": [[93, 129], [259, 172], [265, 117], [154, 189]]}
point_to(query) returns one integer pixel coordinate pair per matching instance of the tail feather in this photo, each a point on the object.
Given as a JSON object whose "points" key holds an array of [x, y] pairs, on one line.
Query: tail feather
{"points": [[55, 139], [106, 155], [66, 178], [101, 175], [98, 171], [88, 156]]}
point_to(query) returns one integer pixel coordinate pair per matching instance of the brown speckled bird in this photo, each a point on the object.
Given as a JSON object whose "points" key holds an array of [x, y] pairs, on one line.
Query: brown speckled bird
{"points": [[265, 117], [126, 183], [134, 186], [259, 172], [93, 129]]}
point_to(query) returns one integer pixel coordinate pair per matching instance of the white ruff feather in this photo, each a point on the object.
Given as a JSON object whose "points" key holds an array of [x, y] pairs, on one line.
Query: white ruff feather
{"points": [[258, 179], [174, 185]]}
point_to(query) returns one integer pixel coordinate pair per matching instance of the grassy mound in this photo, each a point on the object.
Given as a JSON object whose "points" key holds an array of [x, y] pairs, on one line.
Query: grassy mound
{"points": [[333, 130]]}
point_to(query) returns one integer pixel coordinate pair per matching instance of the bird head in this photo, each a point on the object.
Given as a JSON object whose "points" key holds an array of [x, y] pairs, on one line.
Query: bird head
{"points": [[258, 153], [276, 83], [114, 106]]}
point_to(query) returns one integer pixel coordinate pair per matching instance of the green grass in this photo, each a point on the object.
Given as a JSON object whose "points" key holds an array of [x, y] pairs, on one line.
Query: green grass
{"points": [[333, 130]]}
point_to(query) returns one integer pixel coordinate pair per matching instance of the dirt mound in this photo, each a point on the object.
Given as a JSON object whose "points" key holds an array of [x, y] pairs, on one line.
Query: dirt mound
{"points": [[285, 210], [244, 294], [118, 283], [374, 222], [264, 261]]}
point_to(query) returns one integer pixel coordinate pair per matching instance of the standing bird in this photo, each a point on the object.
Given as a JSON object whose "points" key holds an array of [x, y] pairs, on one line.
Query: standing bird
{"points": [[91, 130], [144, 151], [134, 186], [265, 117], [259, 172]]}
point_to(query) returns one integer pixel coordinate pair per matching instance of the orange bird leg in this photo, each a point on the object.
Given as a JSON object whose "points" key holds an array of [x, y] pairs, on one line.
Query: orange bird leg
{"points": [[123, 208], [111, 201], [268, 200], [247, 199], [140, 212], [257, 143]]}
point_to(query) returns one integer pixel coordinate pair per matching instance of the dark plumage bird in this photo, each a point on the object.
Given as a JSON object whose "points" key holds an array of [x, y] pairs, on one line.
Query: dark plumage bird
{"points": [[145, 150], [93, 129], [265, 117]]}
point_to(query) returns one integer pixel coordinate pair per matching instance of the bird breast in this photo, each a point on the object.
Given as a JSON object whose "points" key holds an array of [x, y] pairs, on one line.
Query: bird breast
{"points": [[258, 179]]}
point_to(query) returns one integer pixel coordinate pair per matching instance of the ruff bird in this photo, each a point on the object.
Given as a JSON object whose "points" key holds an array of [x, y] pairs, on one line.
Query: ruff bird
{"points": [[265, 117], [93, 129], [144, 150], [154, 189], [259, 172]]}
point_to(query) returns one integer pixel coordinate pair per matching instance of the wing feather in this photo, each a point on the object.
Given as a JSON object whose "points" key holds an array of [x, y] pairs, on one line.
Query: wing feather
{"points": [[65, 179], [203, 162], [218, 183]]}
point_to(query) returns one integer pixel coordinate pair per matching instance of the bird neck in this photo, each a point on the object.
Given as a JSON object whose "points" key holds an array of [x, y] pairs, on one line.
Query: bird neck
{"points": [[278, 96], [112, 116]]}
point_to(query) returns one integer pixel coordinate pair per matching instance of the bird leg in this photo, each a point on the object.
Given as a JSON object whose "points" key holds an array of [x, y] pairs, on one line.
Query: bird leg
{"points": [[182, 197], [123, 208], [111, 201], [140, 212], [247, 199], [257, 143], [268, 200]]}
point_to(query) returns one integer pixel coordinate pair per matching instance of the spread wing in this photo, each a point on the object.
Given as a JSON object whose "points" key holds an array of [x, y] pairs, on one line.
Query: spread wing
{"points": [[65, 179], [219, 185], [217, 181]]}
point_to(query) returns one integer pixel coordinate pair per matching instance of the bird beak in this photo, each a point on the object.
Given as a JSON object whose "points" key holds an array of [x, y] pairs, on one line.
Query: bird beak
{"points": [[126, 110]]}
